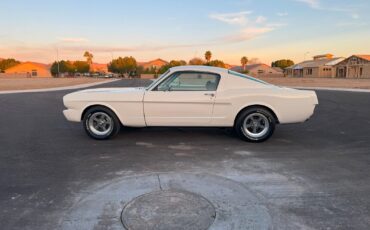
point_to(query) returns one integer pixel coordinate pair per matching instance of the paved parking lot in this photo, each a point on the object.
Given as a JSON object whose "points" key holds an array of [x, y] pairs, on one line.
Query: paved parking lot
{"points": [[308, 176]]}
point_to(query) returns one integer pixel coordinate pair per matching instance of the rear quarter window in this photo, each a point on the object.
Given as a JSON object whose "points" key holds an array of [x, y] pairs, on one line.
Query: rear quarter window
{"points": [[247, 77]]}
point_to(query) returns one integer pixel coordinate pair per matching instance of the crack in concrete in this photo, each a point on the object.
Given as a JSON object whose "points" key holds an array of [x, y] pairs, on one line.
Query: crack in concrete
{"points": [[159, 182]]}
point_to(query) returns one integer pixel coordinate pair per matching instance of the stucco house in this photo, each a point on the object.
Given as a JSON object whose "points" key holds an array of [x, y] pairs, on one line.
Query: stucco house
{"points": [[99, 68], [259, 70], [29, 69], [356, 66], [320, 66]]}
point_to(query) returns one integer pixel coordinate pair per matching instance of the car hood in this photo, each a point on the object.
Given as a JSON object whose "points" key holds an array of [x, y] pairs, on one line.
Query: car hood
{"points": [[101, 95]]}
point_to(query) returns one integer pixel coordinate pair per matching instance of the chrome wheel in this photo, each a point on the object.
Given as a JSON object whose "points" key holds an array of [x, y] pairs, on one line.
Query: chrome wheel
{"points": [[255, 125], [100, 123]]}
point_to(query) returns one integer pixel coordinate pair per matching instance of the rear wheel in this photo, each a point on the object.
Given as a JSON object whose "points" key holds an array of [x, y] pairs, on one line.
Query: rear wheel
{"points": [[101, 123], [255, 124]]}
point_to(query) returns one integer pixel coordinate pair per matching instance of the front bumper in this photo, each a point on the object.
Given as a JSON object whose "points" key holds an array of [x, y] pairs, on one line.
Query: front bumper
{"points": [[72, 115]]}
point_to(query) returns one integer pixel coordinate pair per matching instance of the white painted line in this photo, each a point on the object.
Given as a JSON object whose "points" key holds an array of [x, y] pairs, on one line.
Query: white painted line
{"points": [[58, 88], [332, 89]]}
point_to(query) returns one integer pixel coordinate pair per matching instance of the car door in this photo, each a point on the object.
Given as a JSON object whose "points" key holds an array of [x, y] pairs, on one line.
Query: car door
{"points": [[185, 98]]}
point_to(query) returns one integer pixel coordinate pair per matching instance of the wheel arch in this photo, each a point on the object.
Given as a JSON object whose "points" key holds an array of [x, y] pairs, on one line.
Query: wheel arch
{"points": [[100, 105], [268, 108]]}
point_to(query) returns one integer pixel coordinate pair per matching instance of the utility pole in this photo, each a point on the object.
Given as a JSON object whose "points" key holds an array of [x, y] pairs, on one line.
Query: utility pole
{"points": [[58, 59]]}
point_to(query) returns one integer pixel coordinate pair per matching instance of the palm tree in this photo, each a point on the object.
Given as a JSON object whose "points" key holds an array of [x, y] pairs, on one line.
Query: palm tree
{"points": [[89, 57], [208, 55], [244, 61]]}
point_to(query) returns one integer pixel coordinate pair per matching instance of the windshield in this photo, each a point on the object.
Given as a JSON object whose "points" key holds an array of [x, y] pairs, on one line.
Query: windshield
{"points": [[158, 79], [247, 77]]}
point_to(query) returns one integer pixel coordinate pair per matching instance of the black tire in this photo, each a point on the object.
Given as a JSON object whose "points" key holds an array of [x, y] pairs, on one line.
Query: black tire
{"points": [[114, 121], [251, 114]]}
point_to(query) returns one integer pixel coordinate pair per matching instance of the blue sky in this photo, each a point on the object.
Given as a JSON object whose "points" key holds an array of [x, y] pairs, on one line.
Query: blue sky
{"points": [[263, 29]]}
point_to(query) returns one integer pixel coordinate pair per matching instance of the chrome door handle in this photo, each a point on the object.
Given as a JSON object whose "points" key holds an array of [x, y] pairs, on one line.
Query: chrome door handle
{"points": [[209, 94]]}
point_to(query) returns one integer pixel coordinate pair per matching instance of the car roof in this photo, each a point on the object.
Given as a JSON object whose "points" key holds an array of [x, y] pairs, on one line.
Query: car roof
{"points": [[199, 68]]}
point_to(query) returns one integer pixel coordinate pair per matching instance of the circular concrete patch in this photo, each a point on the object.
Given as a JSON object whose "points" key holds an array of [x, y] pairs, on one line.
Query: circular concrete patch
{"points": [[168, 209], [100, 206]]}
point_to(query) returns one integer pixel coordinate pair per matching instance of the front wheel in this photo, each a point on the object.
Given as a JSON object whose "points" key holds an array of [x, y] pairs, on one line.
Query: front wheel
{"points": [[101, 123], [255, 124]]}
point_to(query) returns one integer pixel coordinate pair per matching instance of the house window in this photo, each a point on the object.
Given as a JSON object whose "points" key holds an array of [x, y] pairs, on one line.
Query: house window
{"points": [[260, 71], [308, 71], [361, 71], [34, 73]]}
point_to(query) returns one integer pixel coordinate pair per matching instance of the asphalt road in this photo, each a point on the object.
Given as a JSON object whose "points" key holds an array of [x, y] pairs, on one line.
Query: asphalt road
{"points": [[314, 175]]}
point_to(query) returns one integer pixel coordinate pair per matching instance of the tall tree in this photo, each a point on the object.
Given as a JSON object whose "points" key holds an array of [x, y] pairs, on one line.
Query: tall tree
{"points": [[244, 62], [64, 67], [122, 65], [216, 63], [89, 57], [7, 63], [81, 66], [196, 61], [283, 63], [172, 63], [208, 56]]}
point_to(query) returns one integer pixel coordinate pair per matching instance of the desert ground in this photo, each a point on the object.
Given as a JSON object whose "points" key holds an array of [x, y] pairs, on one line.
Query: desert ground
{"points": [[320, 82], [42, 83]]}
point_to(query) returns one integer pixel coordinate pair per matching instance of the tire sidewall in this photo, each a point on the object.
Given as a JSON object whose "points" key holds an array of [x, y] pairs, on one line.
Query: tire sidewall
{"points": [[239, 124], [116, 123]]}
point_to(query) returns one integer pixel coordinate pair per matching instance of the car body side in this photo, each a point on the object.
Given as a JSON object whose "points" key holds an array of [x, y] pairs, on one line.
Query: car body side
{"points": [[233, 94]]}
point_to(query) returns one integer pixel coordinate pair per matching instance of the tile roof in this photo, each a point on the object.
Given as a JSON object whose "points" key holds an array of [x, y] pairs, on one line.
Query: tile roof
{"points": [[366, 57], [316, 63]]}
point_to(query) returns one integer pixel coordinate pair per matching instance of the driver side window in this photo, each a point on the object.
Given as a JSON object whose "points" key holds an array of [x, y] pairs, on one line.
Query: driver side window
{"points": [[190, 81]]}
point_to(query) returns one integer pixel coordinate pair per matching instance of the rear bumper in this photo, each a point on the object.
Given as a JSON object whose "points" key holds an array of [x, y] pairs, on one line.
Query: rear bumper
{"points": [[72, 115]]}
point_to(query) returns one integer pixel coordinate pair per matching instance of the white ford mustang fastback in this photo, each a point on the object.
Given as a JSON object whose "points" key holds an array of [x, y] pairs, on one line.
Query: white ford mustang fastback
{"points": [[192, 96]]}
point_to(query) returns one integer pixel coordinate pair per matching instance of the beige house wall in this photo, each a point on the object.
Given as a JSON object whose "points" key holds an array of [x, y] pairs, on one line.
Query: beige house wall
{"points": [[353, 67], [315, 72], [288, 73], [325, 71], [356, 72], [366, 71], [27, 70], [322, 71], [264, 71], [294, 73]]}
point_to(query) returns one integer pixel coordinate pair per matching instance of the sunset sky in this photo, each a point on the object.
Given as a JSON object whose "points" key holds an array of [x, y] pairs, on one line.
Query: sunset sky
{"points": [[265, 29]]}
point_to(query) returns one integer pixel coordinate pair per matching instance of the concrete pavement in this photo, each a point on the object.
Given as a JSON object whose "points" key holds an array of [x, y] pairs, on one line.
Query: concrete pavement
{"points": [[308, 176]]}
